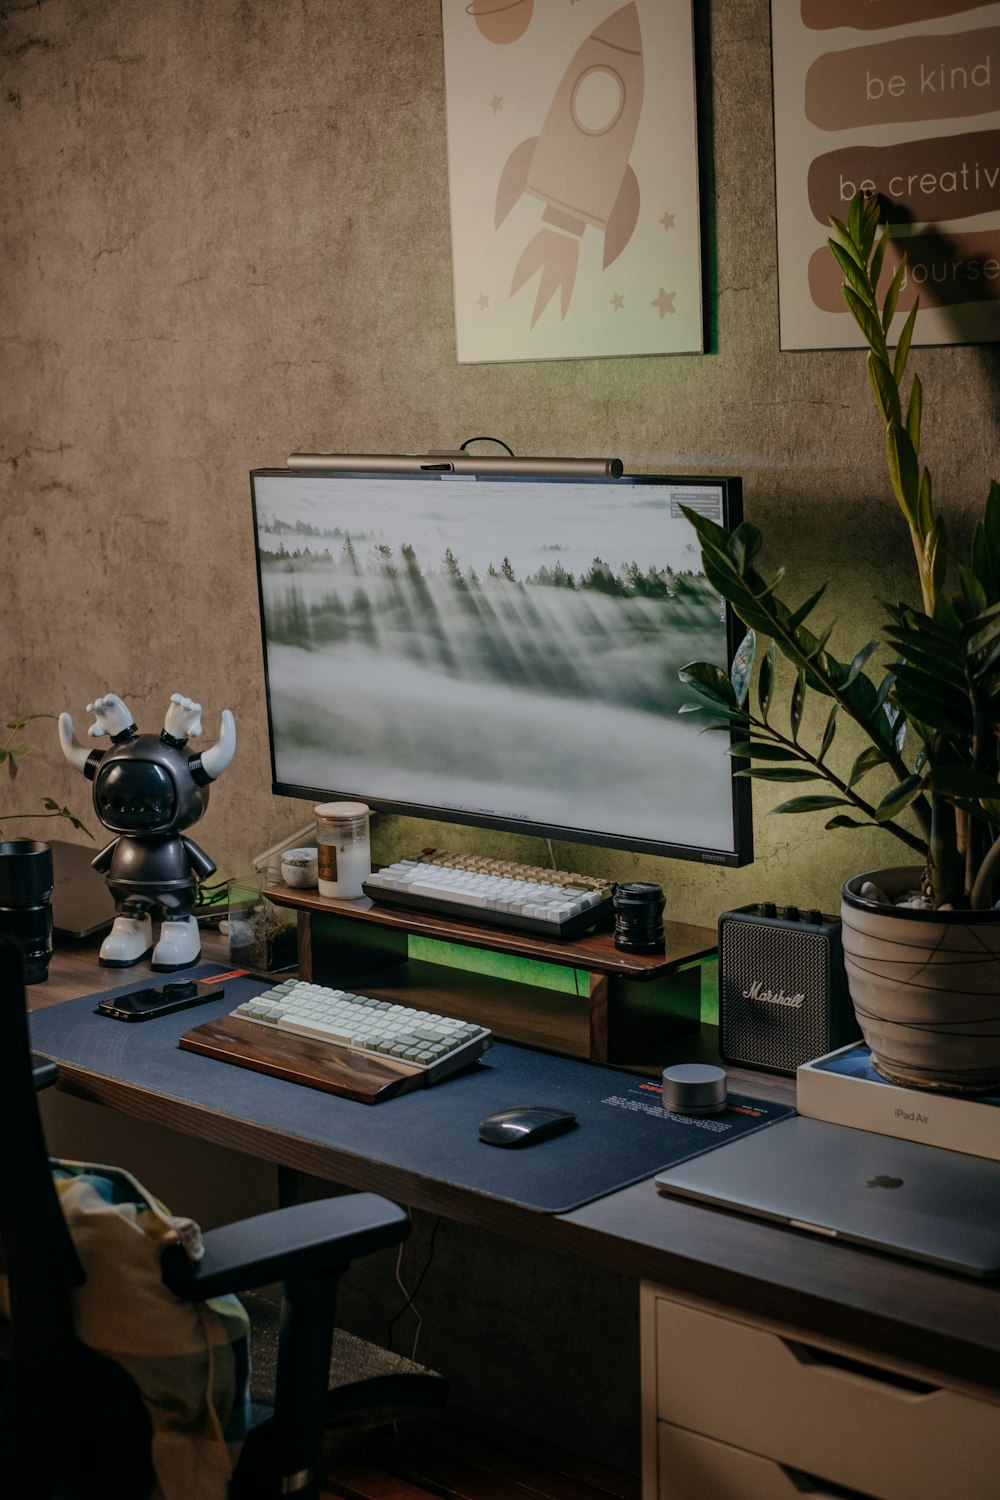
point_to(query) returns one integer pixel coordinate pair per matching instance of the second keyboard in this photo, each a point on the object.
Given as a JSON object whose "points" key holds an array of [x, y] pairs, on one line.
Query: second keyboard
{"points": [[501, 900]]}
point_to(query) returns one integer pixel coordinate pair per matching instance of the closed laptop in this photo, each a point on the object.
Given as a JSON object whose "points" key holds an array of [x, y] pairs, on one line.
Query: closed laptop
{"points": [[902, 1197]]}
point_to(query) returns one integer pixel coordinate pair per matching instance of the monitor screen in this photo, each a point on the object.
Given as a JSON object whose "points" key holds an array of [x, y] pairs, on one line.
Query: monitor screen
{"points": [[499, 651]]}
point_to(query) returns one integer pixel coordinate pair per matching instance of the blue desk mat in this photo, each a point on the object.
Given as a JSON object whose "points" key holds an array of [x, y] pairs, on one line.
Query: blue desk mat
{"points": [[623, 1134]]}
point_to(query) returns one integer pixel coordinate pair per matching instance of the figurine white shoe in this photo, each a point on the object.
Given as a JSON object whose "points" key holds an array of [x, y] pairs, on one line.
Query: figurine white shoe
{"points": [[129, 941], [179, 946]]}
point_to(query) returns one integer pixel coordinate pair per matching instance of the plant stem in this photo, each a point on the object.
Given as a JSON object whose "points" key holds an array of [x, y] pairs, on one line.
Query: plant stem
{"points": [[776, 737], [894, 760]]}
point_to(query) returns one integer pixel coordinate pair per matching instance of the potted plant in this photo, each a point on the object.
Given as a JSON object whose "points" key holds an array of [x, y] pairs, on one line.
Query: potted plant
{"points": [[921, 940]]}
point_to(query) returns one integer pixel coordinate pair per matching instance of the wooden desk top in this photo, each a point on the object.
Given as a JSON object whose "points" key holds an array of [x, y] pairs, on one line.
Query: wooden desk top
{"points": [[942, 1321]]}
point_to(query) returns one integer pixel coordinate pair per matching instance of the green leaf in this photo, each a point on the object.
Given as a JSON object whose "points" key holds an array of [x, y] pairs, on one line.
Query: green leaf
{"points": [[985, 562], [844, 235], [898, 798], [933, 703], [903, 346], [884, 686], [841, 821], [935, 557], [776, 773], [914, 413], [983, 643], [810, 804], [855, 207], [973, 593], [991, 521], [871, 217], [710, 681], [903, 470], [804, 610], [892, 295], [959, 781], [723, 718], [941, 664], [765, 681], [875, 267], [864, 763], [882, 383], [857, 277], [742, 668], [744, 544], [761, 750], [829, 731], [798, 703], [854, 670], [866, 319]]}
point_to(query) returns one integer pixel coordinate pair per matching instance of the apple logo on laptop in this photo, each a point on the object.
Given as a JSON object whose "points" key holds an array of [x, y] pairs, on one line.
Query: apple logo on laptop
{"points": [[884, 1181]]}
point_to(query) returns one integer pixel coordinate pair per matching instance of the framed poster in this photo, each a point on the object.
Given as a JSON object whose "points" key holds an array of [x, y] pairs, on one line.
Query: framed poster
{"points": [[572, 159], [900, 97]]}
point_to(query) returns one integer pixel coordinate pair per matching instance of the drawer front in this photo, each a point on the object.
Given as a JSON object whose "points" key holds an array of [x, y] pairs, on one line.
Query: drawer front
{"points": [[850, 1421], [692, 1467]]}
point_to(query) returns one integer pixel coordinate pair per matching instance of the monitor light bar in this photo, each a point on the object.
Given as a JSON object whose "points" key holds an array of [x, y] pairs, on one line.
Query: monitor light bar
{"points": [[455, 463]]}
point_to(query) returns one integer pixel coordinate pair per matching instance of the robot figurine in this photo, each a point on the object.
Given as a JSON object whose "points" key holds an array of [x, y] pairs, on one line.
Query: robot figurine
{"points": [[147, 789]]}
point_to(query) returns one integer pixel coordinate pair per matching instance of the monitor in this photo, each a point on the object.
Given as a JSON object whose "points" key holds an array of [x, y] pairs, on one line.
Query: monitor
{"points": [[499, 649]]}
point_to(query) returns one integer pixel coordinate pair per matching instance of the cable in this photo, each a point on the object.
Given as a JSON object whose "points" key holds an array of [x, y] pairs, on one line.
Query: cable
{"points": [[462, 446], [410, 1297]]}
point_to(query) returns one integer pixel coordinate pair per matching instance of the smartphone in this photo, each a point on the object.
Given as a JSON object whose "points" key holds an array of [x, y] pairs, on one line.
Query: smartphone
{"points": [[176, 994]]}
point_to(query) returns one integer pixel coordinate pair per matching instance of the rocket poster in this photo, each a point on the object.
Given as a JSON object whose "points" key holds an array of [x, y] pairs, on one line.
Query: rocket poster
{"points": [[572, 158], [902, 98]]}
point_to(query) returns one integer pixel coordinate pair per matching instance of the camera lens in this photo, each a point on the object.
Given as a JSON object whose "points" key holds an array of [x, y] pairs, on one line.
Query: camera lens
{"points": [[25, 913], [639, 917]]}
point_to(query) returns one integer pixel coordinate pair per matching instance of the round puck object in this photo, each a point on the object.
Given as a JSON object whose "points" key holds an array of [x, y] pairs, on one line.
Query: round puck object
{"points": [[694, 1089]]}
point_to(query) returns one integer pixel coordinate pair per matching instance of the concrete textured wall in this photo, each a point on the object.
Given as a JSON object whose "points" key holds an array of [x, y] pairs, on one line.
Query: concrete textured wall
{"points": [[226, 237]]}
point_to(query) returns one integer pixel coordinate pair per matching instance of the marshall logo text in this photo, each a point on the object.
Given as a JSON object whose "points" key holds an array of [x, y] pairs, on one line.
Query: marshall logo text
{"points": [[772, 997]]}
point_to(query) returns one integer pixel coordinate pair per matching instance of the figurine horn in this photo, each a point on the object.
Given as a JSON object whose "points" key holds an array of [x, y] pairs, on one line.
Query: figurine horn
{"points": [[75, 753], [216, 758]]}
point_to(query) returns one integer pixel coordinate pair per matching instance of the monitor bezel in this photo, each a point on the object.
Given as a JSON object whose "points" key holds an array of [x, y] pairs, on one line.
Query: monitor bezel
{"points": [[740, 787]]}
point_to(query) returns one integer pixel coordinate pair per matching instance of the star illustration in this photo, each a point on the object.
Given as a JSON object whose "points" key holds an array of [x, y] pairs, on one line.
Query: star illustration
{"points": [[617, 301], [668, 221], [496, 104], [665, 302], [482, 302]]}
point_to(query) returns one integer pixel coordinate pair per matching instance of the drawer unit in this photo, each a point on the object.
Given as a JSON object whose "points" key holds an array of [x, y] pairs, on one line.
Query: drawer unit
{"points": [[693, 1467], [832, 1413]]}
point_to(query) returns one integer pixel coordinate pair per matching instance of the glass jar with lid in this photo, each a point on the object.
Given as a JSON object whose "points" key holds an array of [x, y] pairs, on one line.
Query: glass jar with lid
{"points": [[343, 848]]}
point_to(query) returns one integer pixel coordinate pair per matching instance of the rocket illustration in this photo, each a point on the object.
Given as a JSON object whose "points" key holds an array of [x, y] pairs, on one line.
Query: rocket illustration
{"points": [[579, 165]]}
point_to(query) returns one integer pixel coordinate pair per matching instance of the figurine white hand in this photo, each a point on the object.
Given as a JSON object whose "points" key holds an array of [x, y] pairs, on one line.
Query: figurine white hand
{"points": [[183, 717], [110, 716], [75, 753]]}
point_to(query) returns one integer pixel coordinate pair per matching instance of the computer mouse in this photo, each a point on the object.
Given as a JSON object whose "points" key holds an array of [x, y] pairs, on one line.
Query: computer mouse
{"points": [[524, 1125]]}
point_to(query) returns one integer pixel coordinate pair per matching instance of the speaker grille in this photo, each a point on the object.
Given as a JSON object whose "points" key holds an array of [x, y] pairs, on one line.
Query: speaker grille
{"points": [[757, 960]]}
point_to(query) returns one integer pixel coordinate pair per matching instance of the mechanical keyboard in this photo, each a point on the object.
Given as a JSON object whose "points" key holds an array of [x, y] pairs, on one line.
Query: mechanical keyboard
{"points": [[556, 903], [438, 1045]]}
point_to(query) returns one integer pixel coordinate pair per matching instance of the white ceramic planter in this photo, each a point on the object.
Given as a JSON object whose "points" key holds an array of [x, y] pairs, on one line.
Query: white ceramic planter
{"points": [[925, 987]]}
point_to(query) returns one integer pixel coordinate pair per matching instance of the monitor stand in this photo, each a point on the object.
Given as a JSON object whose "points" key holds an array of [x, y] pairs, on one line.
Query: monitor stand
{"points": [[628, 1009]]}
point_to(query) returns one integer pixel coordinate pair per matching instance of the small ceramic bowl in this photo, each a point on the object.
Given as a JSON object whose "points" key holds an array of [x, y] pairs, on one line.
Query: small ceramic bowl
{"points": [[299, 868]]}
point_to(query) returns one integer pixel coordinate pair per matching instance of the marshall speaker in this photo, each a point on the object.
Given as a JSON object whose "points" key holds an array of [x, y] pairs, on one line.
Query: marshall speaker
{"points": [[782, 988]]}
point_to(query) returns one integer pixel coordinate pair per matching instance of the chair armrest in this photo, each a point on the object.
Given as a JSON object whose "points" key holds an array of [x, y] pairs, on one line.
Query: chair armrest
{"points": [[317, 1239], [43, 1071]]}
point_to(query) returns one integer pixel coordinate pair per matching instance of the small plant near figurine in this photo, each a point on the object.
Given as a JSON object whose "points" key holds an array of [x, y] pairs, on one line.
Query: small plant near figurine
{"points": [[12, 752], [921, 941]]}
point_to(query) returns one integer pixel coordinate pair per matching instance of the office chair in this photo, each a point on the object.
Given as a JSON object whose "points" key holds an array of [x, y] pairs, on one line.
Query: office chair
{"points": [[64, 1407]]}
